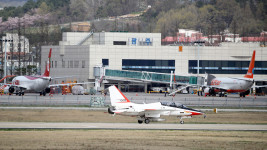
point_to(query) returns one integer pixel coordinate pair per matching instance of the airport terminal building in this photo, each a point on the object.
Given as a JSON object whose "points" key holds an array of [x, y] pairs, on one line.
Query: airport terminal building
{"points": [[80, 53]]}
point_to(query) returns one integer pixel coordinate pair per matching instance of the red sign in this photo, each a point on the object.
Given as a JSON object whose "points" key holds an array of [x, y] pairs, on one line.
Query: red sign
{"points": [[215, 82]]}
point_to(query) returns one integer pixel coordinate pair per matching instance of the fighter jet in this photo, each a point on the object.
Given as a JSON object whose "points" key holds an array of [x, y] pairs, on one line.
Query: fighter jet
{"points": [[121, 105]]}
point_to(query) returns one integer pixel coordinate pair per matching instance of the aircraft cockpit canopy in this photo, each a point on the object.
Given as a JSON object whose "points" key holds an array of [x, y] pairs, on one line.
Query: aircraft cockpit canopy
{"points": [[173, 104]]}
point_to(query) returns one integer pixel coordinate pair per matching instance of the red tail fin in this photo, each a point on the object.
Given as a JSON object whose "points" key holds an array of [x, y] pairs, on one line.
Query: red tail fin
{"points": [[251, 66], [47, 66]]}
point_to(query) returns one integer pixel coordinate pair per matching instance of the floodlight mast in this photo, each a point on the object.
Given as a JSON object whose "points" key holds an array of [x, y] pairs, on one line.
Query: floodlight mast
{"points": [[5, 63], [198, 44]]}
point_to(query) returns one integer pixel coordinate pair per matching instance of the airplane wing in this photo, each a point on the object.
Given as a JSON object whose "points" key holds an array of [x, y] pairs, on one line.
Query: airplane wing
{"points": [[215, 87], [62, 77], [246, 79], [68, 84], [259, 86], [151, 113], [19, 86]]}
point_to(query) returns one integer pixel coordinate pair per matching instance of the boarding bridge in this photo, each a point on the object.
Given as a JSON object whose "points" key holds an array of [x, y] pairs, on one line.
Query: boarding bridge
{"points": [[104, 75], [143, 76]]}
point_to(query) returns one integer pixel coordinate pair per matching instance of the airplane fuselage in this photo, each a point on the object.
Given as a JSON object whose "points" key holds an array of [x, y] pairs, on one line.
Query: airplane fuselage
{"points": [[133, 109], [232, 85], [37, 84]]}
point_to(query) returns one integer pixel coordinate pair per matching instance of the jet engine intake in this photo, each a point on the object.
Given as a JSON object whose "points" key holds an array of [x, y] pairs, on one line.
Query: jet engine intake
{"points": [[111, 110], [209, 92], [247, 92], [47, 90], [11, 90]]}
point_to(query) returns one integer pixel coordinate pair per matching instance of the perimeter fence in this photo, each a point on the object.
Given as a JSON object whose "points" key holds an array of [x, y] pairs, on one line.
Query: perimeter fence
{"points": [[104, 101]]}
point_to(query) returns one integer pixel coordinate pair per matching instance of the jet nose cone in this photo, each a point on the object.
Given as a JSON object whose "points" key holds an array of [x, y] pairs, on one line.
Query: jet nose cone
{"points": [[197, 113]]}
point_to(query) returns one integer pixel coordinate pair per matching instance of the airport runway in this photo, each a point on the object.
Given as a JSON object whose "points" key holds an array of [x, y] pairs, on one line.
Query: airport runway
{"points": [[132, 126]]}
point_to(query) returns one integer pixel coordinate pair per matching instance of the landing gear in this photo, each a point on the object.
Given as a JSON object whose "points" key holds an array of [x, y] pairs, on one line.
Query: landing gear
{"points": [[42, 93], [147, 121], [242, 95], [222, 94], [181, 118], [21, 92]]}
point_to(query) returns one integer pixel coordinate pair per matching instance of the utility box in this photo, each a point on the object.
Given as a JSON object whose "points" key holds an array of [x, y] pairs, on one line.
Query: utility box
{"points": [[97, 102], [97, 72]]}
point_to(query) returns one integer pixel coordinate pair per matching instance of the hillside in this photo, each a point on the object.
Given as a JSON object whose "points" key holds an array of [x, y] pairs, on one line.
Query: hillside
{"points": [[14, 3], [246, 17]]}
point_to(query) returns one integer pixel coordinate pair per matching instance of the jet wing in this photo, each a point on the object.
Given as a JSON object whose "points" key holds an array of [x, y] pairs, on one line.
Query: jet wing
{"points": [[19, 86], [215, 87], [259, 86], [62, 77], [68, 84], [245, 79]]}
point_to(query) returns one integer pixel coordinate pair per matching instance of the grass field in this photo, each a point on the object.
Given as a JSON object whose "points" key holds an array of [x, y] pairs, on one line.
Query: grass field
{"points": [[52, 115], [132, 139], [129, 139]]}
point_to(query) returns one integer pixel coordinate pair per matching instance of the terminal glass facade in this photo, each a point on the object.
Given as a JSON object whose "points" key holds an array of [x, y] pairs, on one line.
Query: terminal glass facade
{"points": [[162, 66], [226, 67]]}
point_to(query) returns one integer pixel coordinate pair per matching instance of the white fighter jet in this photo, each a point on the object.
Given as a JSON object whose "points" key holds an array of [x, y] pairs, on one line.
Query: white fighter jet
{"points": [[121, 105]]}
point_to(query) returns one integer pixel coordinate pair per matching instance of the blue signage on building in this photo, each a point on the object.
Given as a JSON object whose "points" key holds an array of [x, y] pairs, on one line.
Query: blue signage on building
{"points": [[147, 41], [134, 41]]}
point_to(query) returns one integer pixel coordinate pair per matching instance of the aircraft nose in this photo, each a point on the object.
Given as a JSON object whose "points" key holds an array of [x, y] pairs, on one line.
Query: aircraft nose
{"points": [[196, 113]]}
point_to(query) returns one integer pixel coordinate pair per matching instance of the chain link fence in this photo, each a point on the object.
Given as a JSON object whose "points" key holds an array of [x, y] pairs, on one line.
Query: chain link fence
{"points": [[104, 101]]}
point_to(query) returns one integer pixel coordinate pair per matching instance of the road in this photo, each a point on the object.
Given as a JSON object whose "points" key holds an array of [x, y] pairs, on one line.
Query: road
{"points": [[132, 126]]}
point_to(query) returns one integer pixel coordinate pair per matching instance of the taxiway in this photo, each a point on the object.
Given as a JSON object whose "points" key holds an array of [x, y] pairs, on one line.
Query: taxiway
{"points": [[132, 126]]}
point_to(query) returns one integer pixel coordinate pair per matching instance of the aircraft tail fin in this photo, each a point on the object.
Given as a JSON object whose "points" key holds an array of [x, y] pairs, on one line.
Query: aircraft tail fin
{"points": [[47, 66], [116, 96], [251, 67]]}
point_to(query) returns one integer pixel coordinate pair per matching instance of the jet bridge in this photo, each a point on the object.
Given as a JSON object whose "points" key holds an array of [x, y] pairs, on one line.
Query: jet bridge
{"points": [[104, 75], [143, 76]]}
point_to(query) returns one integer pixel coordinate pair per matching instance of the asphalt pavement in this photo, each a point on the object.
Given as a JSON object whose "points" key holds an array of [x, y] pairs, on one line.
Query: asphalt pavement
{"points": [[132, 126]]}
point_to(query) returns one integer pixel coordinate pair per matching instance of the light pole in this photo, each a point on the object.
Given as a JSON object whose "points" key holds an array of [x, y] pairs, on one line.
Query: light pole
{"points": [[5, 63], [198, 44]]}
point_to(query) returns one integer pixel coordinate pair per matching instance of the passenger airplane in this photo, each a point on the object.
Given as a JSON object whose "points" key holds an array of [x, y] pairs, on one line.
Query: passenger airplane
{"points": [[232, 85], [32, 83], [121, 105]]}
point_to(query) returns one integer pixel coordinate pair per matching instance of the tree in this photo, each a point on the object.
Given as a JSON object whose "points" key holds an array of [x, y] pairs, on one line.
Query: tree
{"points": [[183, 18], [43, 9], [226, 9]]}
